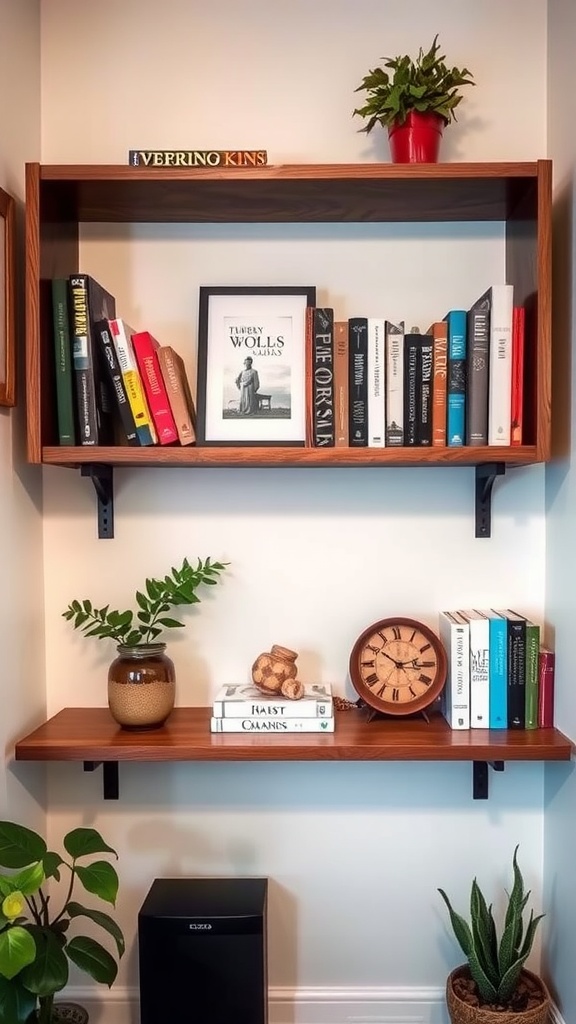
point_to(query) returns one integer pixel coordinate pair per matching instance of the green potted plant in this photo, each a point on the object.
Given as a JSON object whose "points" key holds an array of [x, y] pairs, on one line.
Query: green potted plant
{"points": [[141, 680], [494, 981], [35, 942], [414, 100]]}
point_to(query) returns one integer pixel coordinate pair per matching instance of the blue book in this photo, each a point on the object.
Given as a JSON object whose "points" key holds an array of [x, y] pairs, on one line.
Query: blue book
{"points": [[456, 398], [498, 671]]}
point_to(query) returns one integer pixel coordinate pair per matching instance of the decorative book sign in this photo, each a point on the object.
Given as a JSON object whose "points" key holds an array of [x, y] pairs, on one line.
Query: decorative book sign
{"points": [[238, 700], [197, 157]]}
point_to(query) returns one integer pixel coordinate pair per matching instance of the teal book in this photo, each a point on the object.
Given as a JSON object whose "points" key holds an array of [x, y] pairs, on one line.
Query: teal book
{"points": [[456, 397], [65, 399], [497, 671]]}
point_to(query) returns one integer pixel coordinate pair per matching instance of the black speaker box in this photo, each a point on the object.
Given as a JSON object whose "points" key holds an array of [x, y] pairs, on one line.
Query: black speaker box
{"points": [[202, 951]]}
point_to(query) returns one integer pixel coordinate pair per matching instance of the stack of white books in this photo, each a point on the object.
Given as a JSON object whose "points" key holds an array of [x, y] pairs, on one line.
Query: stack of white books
{"points": [[243, 708]]}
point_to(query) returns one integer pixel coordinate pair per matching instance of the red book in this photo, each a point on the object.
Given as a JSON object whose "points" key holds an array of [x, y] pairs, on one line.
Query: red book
{"points": [[518, 318], [546, 666], [145, 347]]}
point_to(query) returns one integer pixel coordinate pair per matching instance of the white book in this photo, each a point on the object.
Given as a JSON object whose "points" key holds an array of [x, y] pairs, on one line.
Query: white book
{"points": [[394, 388], [122, 337], [455, 703], [276, 726], [500, 364], [376, 382], [479, 668], [238, 700]]}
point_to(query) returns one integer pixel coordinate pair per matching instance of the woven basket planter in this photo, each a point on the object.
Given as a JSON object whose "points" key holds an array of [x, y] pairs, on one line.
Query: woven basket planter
{"points": [[464, 1013]]}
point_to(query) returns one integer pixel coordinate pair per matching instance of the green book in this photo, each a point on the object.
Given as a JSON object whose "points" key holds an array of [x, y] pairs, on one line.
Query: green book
{"points": [[63, 358], [531, 690]]}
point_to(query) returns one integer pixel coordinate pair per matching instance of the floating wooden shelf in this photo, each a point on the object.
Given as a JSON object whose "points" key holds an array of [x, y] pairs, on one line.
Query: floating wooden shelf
{"points": [[90, 735]]}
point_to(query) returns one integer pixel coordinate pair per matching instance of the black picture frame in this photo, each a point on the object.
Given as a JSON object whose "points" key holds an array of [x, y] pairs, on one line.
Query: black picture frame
{"points": [[251, 376]]}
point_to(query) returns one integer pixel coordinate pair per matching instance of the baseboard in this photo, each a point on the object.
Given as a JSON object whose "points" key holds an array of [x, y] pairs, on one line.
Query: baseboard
{"points": [[300, 1006]]}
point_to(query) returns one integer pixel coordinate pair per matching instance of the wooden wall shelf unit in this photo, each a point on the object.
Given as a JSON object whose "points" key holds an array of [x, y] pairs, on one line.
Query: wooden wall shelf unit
{"points": [[60, 198], [90, 735]]}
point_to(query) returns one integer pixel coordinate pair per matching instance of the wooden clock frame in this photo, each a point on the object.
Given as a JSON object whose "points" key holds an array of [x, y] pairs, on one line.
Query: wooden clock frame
{"points": [[7, 302]]}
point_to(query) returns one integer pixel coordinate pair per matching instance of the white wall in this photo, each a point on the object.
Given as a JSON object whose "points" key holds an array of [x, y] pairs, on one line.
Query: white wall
{"points": [[21, 573], [560, 788], [315, 555]]}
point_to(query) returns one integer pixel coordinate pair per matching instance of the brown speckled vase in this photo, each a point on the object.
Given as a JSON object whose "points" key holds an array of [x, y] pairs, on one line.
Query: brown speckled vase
{"points": [[141, 686]]}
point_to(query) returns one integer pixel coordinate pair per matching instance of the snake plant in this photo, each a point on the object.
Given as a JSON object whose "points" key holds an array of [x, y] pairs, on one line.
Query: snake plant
{"points": [[496, 963]]}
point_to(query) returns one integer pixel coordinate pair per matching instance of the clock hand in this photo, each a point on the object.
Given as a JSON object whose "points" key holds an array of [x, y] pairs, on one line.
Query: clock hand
{"points": [[398, 664]]}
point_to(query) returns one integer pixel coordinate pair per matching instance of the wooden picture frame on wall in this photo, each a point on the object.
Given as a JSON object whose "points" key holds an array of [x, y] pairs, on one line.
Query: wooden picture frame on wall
{"points": [[7, 303]]}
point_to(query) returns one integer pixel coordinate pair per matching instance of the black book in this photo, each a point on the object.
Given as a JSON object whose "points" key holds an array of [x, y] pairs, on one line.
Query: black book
{"points": [[111, 367], [358, 381], [411, 388], [477, 368], [424, 391], [90, 302], [516, 649], [323, 420]]}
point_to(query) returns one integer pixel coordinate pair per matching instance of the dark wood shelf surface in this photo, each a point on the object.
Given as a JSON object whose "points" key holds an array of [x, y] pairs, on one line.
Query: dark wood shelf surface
{"points": [[288, 456], [91, 735]]}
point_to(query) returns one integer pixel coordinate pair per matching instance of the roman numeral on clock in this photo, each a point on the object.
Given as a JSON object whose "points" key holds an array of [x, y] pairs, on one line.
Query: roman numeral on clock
{"points": [[371, 679]]}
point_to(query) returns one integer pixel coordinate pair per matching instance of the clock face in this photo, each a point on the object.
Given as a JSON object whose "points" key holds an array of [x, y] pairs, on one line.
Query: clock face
{"points": [[398, 666]]}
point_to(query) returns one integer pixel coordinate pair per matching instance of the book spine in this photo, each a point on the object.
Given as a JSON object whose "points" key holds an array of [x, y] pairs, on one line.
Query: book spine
{"points": [[285, 725], [83, 361], [64, 364], [517, 402], [341, 383], [358, 381], [411, 361], [155, 390], [394, 384], [546, 671], [424, 395], [103, 338], [456, 385], [478, 351], [178, 391], [439, 332], [323, 378], [531, 681], [455, 699], [479, 673], [272, 709], [516, 674], [309, 376], [498, 674], [376, 383], [132, 382], [500, 388]]}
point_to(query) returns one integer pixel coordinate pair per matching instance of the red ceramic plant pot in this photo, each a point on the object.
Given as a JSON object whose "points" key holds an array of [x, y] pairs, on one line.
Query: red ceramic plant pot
{"points": [[417, 140]]}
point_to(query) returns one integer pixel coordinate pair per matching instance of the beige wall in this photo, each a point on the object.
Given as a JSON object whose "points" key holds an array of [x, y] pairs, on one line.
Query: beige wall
{"points": [[21, 573], [315, 555]]}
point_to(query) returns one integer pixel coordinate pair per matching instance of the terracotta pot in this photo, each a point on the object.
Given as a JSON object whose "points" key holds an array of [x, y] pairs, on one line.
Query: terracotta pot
{"points": [[461, 1012], [417, 140], [141, 686]]}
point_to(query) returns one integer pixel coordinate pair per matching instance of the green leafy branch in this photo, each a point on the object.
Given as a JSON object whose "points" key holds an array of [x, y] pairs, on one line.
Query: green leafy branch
{"points": [[426, 85], [154, 602], [34, 944]]}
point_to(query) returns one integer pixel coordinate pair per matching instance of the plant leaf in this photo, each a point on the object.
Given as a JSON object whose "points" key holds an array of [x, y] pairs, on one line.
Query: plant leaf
{"points": [[101, 879], [101, 919], [17, 950], [19, 846], [91, 957], [49, 972], [81, 842], [30, 879], [16, 1002]]}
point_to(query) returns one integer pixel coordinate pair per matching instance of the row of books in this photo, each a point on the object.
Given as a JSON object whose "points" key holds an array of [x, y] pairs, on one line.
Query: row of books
{"points": [[500, 676], [240, 708], [371, 383], [114, 385]]}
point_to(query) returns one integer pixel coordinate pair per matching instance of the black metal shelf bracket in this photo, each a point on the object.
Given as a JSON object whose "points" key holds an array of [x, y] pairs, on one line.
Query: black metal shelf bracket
{"points": [[480, 777], [110, 780], [103, 479], [486, 474]]}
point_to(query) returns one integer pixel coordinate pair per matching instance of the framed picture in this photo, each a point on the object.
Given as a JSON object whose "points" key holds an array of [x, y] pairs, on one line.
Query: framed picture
{"points": [[7, 311], [252, 365]]}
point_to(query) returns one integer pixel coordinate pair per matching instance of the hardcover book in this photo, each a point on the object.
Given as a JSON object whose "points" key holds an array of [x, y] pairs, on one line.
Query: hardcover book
{"points": [[90, 302], [272, 725], [111, 366], [501, 297], [455, 701], [145, 349], [531, 680], [477, 368], [518, 328], [394, 384], [498, 670], [122, 335], [358, 381], [546, 669], [456, 400], [479, 668], [439, 332], [323, 378], [341, 383], [179, 394], [516, 644], [237, 700], [63, 362], [376, 382]]}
